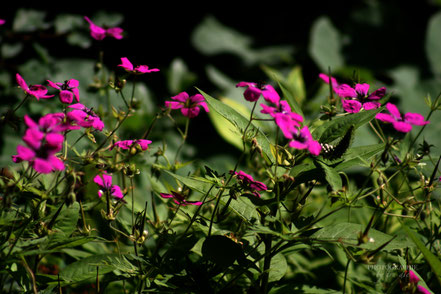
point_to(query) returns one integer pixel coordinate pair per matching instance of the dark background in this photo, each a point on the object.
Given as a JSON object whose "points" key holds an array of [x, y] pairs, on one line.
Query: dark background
{"points": [[160, 31]]}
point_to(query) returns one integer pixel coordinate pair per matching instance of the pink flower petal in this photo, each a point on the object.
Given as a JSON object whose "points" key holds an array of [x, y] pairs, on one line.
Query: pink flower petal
{"points": [[270, 95], [181, 97], [25, 153], [190, 112], [314, 147], [252, 94], [116, 192], [126, 64], [345, 91], [98, 180], [415, 119], [174, 104], [378, 94], [385, 117], [402, 126], [371, 105], [42, 166], [393, 111], [362, 89], [56, 163], [351, 106], [66, 96]]}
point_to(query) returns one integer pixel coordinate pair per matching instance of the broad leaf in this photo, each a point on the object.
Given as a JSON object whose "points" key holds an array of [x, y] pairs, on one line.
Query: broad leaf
{"points": [[348, 234]]}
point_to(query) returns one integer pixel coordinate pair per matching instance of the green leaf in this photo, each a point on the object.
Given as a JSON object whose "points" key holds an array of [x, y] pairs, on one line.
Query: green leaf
{"points": [[431, 258], [179, 77], [433, 43], [239, 121], [332, 176], [359, 156], [65, 23], [28, 20], [336, 128], [325, 46], [67, 220], [348, 233], [278, 268], [86, 268]]}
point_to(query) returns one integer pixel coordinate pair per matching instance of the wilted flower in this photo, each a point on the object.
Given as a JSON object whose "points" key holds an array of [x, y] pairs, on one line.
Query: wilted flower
{"points": [[188, 104], [104, 181], [254, 90], [179, 199], [68, 90], [38, 91], [140, 69], [400, 123], [99, 33]]}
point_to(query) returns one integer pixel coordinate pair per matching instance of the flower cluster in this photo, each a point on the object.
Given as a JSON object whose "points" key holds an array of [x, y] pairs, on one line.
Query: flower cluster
{"points": [[43, 140], [99, 33], [188, 104], [355, 98], [285, 119]]}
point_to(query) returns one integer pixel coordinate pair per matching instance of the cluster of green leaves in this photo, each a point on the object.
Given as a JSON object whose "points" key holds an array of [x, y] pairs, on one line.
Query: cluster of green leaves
{"points": [[338, 222]]}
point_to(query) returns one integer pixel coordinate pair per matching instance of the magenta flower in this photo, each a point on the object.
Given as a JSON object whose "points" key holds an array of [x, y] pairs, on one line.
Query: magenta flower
{"points": [[140, 69], [2, 22], [180, 199], [302, 139], [38, 91], [42, 160], [249, 183], [188, 104], [359, 96], [127, 144], [99, 33], [286, 120], [43, 141], [47, 130], [254, 90], [104, 181], [399, 123], [68, 90], [84, 117]]}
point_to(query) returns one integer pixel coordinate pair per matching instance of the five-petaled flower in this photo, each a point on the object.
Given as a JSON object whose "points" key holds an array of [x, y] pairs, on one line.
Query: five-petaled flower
{"points": [[254, 90], [140, 69], [38, 91], [356, 98], [302, 139], [99, 33], [249, 183], [104, 181], [84, 117], [179, 199], [127, 144], [68, 90], [284, 118], [188, 104], [400, 123]]}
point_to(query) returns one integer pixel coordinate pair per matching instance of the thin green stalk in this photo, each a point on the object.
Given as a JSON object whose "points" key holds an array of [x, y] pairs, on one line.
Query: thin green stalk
{"points": [[184, 138], [21, 103]]}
